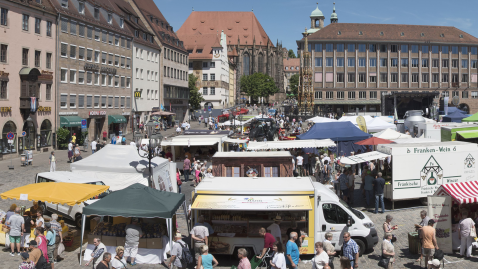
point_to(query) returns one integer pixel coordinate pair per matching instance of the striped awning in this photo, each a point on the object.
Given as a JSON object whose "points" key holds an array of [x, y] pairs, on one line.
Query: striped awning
{"points": [[462, 192]]}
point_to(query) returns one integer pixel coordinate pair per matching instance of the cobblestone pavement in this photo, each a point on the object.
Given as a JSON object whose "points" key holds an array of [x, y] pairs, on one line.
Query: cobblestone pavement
{"points": [[404, 217]]}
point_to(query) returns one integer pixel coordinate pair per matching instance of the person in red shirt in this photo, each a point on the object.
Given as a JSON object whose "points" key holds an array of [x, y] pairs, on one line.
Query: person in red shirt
{"points": [[269, 241], [169, 154]]}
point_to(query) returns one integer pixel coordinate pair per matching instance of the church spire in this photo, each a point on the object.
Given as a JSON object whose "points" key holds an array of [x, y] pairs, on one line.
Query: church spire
{"points": [[333, 17]]}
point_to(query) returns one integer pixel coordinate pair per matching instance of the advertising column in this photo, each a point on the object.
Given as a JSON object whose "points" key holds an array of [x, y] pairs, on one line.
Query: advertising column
{"points": [[439, 209]]}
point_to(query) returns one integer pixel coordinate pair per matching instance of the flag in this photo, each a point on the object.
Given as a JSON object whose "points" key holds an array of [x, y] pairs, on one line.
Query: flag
{"points": [[162, 107], [33, 104]]}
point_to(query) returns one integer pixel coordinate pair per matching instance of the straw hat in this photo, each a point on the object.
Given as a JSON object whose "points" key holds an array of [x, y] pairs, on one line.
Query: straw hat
{"points": [[278, 218]]}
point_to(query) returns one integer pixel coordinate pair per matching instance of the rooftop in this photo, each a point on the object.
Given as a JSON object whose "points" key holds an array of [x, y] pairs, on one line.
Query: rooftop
{"points": [[258, 185], [252, 154], [291, 62]]}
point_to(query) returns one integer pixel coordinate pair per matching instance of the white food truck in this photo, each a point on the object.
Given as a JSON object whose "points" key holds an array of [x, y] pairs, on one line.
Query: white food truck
{"points": [[432, 130], [237, 208], [418, 170]]}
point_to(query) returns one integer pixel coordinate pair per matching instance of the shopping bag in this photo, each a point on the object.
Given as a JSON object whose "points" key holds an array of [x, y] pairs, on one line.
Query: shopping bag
{"points": [[61, 248]]}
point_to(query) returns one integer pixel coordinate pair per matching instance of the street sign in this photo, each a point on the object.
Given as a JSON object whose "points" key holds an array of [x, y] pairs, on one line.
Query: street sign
{"points": [[10, 136], [24, 133], [83, 124], [10, 141]]}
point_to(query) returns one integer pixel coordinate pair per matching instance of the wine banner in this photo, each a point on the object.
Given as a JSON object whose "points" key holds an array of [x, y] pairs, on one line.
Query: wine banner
{"points": [[439, 209]]}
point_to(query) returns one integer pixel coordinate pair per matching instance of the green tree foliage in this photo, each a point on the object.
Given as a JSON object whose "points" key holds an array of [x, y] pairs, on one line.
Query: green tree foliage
{"points": [[294, 84], [62, 137], [258, 85], [195, 96], [291, 54]]}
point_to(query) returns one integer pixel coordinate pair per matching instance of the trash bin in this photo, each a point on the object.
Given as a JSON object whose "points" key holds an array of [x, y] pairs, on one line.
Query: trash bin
{"points": [[413, 243]]}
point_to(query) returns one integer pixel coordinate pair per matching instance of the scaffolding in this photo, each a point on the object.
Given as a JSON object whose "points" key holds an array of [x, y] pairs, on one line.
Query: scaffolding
{"points": [[305, 91]]}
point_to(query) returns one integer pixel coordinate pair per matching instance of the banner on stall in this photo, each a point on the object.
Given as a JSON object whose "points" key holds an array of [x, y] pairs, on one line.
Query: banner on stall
{"points": [[439, 209]]}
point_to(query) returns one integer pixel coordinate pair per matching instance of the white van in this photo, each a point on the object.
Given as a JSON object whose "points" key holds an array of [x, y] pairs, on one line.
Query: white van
{"points": [[70, 212], [237, 207]]}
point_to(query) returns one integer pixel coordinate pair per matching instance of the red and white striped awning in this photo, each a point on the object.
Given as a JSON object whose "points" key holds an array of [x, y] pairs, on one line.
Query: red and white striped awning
{"points": [[462, 192]]}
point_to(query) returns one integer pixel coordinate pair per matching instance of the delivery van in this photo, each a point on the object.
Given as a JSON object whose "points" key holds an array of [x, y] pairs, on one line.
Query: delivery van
{"points": [[71, 212], [237, 207]]}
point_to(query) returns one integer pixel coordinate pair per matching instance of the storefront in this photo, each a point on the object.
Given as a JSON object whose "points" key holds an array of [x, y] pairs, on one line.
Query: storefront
{"points": [[72, 123], [176, 101], [6, 148], [96, 123], [45, 134], [117, 125]]}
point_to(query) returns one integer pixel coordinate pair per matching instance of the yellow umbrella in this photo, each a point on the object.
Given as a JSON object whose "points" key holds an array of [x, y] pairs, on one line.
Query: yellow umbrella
{"points": [[56, 192]]}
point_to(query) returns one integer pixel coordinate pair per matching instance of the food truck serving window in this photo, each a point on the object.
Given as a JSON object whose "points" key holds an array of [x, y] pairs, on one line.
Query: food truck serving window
{"points": [[277, 203]]}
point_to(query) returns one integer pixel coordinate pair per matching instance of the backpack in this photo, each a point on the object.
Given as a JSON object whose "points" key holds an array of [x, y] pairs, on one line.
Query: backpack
{"points": [[439, 254], [41, 263], [186, 256]]}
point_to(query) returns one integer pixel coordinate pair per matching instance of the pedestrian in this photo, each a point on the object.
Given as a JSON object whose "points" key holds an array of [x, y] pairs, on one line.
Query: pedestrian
{"points": [[98, 253], [294, 228], [41, 242], [329, 248], [429, 240], [209, 173], [35, 252], [118, 262], [77, 152], [367, 188], [344, 185], [123, 140], [73, 138], [206, 260], [328, 171], [10, 213], [275, 228], [70, 151], [378, 187], [351, 190], [178, 130], [300, 161], [178, 179], [350, 250], [26, 262], [177, 253], [105, 263], [388, 251], [244, 262], [387, 225], [40, 222], [321, 259], [93, 146], [199, 234], [292, 251], [198, 177], [26, 230], [269, 241], [17, 226], [52, 160], [50, 237], [133, 233], [56, 226], [423, 223], [186, 168], [466, 225]]}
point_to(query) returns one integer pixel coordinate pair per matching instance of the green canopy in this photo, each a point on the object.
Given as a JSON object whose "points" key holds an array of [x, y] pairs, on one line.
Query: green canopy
{"points": [[471, 118], [70, 121], [139, 201], [116, 119], [468, 134]]}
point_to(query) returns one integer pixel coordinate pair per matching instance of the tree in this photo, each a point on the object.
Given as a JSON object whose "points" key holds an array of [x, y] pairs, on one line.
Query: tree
{"points": [[195, 96], [62, 137], [258, 85], [294, 84], [291, 54]]}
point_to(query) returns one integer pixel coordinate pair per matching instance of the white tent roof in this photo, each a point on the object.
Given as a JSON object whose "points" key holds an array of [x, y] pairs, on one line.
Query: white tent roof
{"points": [[312, 143], [321, 119], [237, 141], [353, 119], [227, 123], [377, 125], [364, 157], [415, 140], [116, 181], [391, 135]]}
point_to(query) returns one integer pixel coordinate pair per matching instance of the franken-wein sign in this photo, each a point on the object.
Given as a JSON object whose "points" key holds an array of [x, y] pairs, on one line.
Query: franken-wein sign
{"points": [[419, 171], [439, 209]]}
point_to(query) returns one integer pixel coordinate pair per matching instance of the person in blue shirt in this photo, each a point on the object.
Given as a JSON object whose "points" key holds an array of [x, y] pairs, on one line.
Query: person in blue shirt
{"points": [[51, 237], [292, 251]]}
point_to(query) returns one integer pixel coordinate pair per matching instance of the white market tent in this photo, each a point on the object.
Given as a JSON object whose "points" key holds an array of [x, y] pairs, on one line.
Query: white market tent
{"points": [[377, 125], [236, 141], [353, 119], [390, 134], [233, 122], [312, 143], [415, 140], [364, 157], [321, 119]]}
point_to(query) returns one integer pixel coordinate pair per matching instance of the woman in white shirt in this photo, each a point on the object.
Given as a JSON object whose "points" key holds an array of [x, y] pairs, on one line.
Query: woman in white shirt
{"points": [[118, 261], [321, 260], [278, 258]]}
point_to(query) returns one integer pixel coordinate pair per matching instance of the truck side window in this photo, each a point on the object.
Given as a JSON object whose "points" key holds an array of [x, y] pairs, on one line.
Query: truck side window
{"points": [[334, 214], [42, 179]]}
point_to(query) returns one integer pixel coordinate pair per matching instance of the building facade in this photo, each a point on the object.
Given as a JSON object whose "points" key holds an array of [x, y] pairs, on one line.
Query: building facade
{"points": [[173, 63], [27, 76], [95, 68], [209, 63], [232, 83], [291, 67], [253, 49]]}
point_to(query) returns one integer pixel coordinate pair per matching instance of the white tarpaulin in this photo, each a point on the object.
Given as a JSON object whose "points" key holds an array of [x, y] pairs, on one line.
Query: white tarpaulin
{"points": [[237, 141], [233, 122], [353, 119], [191, 141], [377, 125], [415, 140], [321, 119], [312, 143], [364, 157], [391, 135]]}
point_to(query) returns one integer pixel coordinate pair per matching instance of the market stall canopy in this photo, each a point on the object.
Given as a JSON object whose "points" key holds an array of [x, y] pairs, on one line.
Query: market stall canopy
{"points": [[116, 119], [311, 143], [277, 203], [462, 192], [237, 141], [137, 201], [456, 116], [471, 118], [56, 192], [321, 119], [189, 141], [364, 157], [377, 125], [415, 140], [468, 134], [353, 119], [234, 122], [373, 141], [391, 135], [336, 131], [70, 121], [162, 113], [451, 110]]}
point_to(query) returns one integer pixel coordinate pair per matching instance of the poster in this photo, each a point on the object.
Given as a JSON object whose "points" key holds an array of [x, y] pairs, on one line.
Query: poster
{"points": [[439, 209]]}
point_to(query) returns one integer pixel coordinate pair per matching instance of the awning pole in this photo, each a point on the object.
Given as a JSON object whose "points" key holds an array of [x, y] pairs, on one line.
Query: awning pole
{"points": [[83, 220], [170, 235]]}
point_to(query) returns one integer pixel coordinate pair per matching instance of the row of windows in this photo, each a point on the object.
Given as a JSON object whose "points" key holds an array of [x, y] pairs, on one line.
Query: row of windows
{"points": [[94, 56], [404, 77], [150, 56], [212, 91], [176, 56], [150, 75], [4, 91], [26, 57], [37, 27], [70, 101], [393, 48], [394, 62], [96, 12], [341, 95], [205, 65], [297, 68], [104, 36], [78, 77], [212, 77], [175, 73], [150, 94]]}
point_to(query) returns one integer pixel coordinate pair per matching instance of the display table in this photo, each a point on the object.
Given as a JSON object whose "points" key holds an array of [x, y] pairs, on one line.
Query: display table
{"points": [[144, 256]]}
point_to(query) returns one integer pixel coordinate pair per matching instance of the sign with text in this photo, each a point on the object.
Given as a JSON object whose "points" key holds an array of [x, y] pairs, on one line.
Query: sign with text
{"points": [[274, 203], [439, 209], [97, 113]]}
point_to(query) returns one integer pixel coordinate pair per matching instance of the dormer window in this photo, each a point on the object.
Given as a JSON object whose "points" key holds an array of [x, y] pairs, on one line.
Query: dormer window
{"points": [[162, 24], [129, 17], [157, 22], [81, 7], [442, 35], [136, 19], [339, 33], [286, 68], [110, 18], [151, 38], [97, 13], [151, 18], [136, 33], [64, 3], [190, 51], [381, 33], [121, 22], [422, 34], [199, 51], [461, 36], [402, 34], [360, 33]]}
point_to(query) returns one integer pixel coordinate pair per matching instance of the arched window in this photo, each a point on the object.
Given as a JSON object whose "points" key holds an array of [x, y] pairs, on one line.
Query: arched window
{"points": [[317, 23], [4, 146], [45, 134], [260, 62], [246, 64]]}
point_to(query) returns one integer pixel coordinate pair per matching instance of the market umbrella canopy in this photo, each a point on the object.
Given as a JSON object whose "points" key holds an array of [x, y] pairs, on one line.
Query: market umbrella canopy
{"points": [[56, 192], [456, 116], [373, 141], [139, 201], [391, 134], [463, 192], [471, 118]]}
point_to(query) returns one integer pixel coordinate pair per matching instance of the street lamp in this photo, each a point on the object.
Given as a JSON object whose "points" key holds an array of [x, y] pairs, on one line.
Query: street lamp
{"points": [[154, 140]]}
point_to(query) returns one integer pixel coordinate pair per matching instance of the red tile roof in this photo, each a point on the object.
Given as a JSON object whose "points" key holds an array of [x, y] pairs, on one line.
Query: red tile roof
{"points": [[242, 25], [232, 53], [45, 5], [291, 62], [392, 32], [196, 42]]}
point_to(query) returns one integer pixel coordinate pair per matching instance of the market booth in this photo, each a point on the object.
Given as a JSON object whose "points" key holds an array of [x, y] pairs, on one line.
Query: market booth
{"points": [[156, 210], [252, 164]]}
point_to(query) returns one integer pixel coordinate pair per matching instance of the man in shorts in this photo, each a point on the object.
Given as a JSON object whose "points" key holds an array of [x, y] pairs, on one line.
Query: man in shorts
{"points": [[17, 224], [429, 241], [133, 233]]}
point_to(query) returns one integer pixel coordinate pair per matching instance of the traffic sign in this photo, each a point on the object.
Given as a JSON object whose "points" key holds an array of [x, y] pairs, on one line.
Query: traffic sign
{"points": [[10, 141], [10, 136], [24, 133], [83, 124]]}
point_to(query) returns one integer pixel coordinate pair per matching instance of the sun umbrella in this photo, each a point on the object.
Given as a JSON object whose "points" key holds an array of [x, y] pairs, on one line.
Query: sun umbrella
{"points": [[373, 141]]}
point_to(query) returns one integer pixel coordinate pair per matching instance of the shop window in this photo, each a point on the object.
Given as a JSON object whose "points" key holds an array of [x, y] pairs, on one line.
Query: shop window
{"points": [[29, 140], [45, 133], [334, 214], [271, 171], [4, 146], [233, 171]]}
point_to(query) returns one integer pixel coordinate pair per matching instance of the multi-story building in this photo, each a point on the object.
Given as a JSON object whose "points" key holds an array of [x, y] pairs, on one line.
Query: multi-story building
{"points": [[94, 67], [27, 88], [357, 66], [255, 51], [209, 63], [291, 67], [174, 60]]}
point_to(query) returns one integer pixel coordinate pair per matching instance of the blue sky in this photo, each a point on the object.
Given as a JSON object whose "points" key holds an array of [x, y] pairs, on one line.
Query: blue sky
{"points": [[285, 20]]}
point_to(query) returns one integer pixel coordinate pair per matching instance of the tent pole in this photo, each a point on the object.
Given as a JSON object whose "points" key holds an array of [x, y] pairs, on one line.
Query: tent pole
{"points": [[171, 235], [83, 220]]}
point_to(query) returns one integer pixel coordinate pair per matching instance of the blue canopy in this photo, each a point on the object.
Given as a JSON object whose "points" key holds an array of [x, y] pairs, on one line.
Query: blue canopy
{"points": [[336, 131], [456, 116], [451, 110]]}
